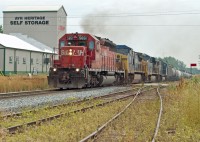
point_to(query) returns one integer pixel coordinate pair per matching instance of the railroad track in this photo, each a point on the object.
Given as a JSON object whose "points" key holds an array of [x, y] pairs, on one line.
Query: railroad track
{"points": [[115, 97], [94, 136], [26, 93], [12, 114], [41, 92], [159, 116]]}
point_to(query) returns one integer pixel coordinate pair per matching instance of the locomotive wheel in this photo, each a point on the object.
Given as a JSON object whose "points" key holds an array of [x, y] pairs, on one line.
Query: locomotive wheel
{"points": [[130, 78], [122, 79], [143, 78], [149, 78]]}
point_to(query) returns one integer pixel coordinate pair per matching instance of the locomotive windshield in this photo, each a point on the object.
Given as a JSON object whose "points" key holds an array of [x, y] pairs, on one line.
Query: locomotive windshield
{"points": [[82, 43], [77, 43]]}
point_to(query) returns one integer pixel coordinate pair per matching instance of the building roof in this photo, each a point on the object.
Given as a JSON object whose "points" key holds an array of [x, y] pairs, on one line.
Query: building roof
{"points": [[11, 9], [33, 42], [9, 41]]}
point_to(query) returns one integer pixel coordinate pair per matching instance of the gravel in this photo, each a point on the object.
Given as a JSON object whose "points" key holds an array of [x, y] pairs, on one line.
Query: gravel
{"points": [[17, 104]]}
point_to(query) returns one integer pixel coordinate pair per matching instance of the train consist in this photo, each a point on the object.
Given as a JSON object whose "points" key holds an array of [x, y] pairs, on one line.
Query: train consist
{"points": [[86, 60]]}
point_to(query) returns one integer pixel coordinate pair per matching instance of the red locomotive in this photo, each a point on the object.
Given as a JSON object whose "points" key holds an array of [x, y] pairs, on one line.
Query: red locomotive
{"points": [[85, 61]]}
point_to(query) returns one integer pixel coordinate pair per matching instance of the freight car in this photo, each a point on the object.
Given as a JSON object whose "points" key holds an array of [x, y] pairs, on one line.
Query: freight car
{"points": [[86, 60], [174, 74]]}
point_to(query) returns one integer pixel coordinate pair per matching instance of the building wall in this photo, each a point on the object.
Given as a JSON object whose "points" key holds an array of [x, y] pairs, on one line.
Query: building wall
{"points": [[22, 61], [48, 32], [62, 24], [37, 62], [22, 58], [46, 65], [9, 61], [1, 59]]}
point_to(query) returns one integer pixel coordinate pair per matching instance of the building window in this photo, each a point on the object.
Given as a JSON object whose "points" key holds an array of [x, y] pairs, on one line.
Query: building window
{"points": [[37, 61], [10, 59], [17, 59], [31, 61], [24, 60]]}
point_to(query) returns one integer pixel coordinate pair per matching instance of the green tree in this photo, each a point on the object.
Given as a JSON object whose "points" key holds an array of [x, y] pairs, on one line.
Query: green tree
{"points": [[1, 29], [175, 63]]}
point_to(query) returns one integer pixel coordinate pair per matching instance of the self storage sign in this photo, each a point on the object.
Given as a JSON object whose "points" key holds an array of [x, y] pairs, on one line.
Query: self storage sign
{"points": [[30, 20]]}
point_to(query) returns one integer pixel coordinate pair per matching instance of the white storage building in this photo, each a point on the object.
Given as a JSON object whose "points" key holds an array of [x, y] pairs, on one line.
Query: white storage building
{"points": [[18, 56]]}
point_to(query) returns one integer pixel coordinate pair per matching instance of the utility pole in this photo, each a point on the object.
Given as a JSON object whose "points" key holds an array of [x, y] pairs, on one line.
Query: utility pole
{"points": [[199, 62]]}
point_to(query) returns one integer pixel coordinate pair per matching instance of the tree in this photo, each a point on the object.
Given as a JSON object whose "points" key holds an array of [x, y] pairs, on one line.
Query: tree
{"points": [[175, 63], [1, 29]]}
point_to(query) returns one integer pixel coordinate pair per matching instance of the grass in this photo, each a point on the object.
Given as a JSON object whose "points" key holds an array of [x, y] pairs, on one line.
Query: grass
{"points": [[181, 118], [180, 121], [136, 124], [71, 128], [45, 112], [22, 83]]}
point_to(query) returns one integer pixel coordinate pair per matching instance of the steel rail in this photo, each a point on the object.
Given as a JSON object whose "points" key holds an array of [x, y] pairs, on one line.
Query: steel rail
{"points": [[39, 92], [67, 104], [94, 134], [13, 129], [25, 93], [159, 116]]}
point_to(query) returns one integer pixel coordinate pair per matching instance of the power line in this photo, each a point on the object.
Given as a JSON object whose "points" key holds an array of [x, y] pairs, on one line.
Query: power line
{"points": [[138, 25], [126, 14], [133, 25], [137, 15]]}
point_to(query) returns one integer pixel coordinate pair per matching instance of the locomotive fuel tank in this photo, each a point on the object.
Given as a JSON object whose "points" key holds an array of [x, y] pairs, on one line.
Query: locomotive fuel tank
{"points": [[106, 80], [137, 78]]}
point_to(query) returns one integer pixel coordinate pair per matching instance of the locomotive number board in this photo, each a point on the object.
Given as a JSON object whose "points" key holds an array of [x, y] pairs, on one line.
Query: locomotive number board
{"points": [[75, 37]]}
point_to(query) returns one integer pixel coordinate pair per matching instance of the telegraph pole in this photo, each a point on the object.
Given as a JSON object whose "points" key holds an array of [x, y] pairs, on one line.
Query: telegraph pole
{"points": [[199, 62]]}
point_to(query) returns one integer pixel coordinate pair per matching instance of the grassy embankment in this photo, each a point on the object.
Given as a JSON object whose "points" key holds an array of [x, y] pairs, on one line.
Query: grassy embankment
{"points": [[70, 128], [22, 83], [180, 119]]}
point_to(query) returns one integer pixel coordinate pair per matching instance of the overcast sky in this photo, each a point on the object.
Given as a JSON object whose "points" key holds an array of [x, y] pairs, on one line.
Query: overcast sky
{"points": [[159, 28]]}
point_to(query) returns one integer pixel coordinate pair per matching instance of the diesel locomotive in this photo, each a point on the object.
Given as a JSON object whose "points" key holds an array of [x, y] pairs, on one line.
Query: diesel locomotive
{"points": [[85, 60]]}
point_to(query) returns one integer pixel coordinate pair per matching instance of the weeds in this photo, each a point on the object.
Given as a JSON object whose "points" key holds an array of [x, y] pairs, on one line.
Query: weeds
{"points": [[181, 120], [22, 83], [71, 128]]}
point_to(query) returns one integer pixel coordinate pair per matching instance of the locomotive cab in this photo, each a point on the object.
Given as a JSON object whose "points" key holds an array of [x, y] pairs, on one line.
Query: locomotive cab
{"points": [[69, 68]]}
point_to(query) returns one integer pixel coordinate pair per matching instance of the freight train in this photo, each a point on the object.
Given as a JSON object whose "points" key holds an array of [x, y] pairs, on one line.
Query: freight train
{"points": [[86, 60]]}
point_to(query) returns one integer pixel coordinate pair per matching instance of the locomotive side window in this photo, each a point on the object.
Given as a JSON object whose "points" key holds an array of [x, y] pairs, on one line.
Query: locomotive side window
{"points": [[62, 43], [91, 45]]}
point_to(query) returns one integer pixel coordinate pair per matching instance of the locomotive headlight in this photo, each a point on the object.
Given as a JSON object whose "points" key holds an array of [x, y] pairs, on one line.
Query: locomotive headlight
{"points": [[54, 69], [77, 69], [70, 50], [70, 53]]}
